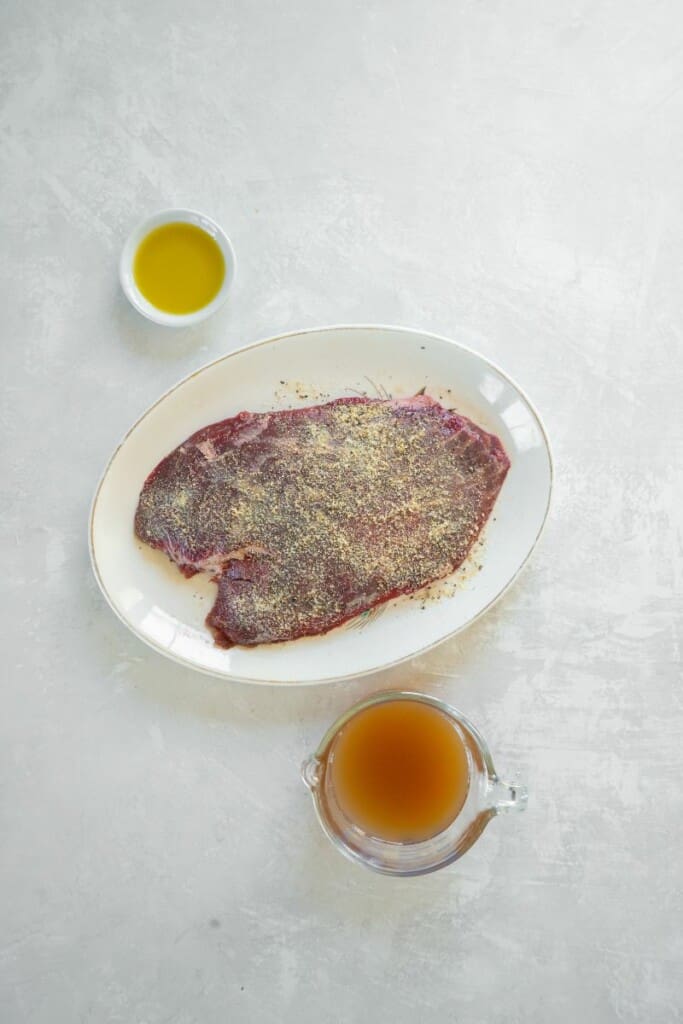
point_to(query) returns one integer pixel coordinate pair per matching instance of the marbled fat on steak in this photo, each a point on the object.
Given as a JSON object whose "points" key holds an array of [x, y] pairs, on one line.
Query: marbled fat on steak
{"points": [[307, 517]]}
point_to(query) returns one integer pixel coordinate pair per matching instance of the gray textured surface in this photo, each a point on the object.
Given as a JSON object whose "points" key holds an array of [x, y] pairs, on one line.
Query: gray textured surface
{"points": [[505, 173]]}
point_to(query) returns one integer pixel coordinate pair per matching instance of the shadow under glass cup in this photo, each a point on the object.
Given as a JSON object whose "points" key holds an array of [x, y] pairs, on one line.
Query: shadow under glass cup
{"points": [[483, 797]]}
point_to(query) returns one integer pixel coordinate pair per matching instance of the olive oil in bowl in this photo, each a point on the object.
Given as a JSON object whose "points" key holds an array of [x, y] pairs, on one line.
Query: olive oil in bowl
{"points": [[179, 268], [176, 267]]}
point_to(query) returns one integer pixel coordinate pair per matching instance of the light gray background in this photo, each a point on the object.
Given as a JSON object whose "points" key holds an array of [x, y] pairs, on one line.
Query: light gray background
{"points": [[506, 173]]}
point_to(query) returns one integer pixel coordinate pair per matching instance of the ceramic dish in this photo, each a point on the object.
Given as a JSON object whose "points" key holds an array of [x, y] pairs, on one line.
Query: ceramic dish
{"points": [[167, 611], [127, 278]]}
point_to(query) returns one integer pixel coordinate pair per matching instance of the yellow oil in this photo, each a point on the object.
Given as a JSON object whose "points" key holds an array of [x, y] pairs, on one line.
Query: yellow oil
{"points": [[179, 268]]}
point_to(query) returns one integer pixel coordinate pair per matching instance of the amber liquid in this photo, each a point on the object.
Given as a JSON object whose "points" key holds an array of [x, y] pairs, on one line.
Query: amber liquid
{"points": [[400, 770]]}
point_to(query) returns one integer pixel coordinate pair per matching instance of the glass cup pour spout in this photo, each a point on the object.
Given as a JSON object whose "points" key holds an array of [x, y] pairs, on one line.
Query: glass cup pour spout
{"points": [[487, 796]]}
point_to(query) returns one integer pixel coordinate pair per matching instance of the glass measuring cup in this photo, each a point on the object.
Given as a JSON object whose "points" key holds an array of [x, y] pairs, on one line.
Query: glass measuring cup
{"points": [[486, 796]]}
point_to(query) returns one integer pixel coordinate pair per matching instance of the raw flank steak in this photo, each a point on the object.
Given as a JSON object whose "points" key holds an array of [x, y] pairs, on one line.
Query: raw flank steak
{"points": [[308, 517]]}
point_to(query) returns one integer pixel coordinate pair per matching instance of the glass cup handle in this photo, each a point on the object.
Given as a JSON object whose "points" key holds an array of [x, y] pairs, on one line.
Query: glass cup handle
{"points": [[311, 772], [507, 796]]}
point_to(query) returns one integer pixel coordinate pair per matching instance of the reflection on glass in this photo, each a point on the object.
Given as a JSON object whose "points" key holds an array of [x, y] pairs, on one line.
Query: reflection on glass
{"points": [[523, 429], [492, 388], [130, 597], [160, 626], [186, 645]]}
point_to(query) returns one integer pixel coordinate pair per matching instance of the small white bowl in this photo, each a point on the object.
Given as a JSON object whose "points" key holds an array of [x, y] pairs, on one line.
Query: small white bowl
{"points": [[133, 293]]}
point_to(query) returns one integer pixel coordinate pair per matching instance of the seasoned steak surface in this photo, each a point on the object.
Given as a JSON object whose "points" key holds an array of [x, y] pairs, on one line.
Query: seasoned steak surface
{"points": [[308, 517]]}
